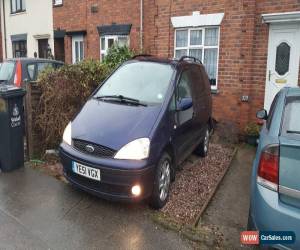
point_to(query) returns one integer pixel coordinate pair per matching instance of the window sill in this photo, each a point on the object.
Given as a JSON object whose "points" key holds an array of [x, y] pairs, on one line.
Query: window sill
{"points": [[214, 91], [57, 5], [18, 13]]}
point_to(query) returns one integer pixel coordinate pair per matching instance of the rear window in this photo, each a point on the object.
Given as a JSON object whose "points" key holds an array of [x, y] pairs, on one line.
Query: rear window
{"points": [[35, 69], [7, 71], [291, 125]]}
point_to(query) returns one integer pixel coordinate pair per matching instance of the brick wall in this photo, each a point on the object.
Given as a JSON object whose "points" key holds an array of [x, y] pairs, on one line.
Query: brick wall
{"points": [[76, 15], [243, 41]]}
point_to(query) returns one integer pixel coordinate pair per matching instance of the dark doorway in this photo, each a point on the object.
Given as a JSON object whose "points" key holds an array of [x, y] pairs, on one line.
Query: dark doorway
{"points": [[43, 48], [59, 49]]}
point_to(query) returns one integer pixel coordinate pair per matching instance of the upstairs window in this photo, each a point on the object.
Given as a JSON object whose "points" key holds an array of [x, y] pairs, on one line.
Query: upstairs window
{"points": [[17, 6], [107, 42], [57, 2], [202, 43]]}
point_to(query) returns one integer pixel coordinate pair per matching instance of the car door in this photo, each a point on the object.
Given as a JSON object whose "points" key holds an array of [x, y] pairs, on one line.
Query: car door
{"points": [[289, 163], [184, 120], [201, 103]]}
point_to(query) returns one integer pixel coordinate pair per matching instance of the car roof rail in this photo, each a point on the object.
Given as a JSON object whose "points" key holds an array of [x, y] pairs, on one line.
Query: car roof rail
{"points": [[141, 55], [183, 58]]}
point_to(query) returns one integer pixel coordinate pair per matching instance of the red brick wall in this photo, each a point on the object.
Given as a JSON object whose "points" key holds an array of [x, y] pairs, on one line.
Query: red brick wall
{"points": [[243, 49], [235, 49], [76, 15], [243, 41]]}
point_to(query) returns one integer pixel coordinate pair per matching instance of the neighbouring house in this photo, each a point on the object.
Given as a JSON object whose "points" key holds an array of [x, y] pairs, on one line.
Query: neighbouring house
{"points": [[27, 28], [251, 48]]}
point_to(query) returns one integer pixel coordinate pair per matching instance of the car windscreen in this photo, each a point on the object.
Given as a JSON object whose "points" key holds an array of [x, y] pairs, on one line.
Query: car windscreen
{"points": [[6, 71], [291, 124], [146, 82]]}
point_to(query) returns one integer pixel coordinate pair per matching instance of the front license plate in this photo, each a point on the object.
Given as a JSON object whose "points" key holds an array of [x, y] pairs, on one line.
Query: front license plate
{"points": [[88, 172]]}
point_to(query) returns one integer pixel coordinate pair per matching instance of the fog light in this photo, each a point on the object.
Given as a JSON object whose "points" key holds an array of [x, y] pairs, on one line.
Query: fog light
{"points": [[136, 190]]}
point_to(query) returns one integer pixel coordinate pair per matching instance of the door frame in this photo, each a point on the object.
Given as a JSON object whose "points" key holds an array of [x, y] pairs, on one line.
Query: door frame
{"points": [[77, 38], [280, 25]]}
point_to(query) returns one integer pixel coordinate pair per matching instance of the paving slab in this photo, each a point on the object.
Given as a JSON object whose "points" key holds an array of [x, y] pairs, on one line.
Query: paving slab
{"points": [[39, 212], [229, 208]]}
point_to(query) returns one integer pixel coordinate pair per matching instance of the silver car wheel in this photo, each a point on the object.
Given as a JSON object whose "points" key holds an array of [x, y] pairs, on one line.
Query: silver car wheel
{"points": [[164, 181], [206, 141]]}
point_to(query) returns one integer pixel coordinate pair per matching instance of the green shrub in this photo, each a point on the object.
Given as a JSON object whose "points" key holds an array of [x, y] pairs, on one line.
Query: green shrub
{"points": [[64, 91], [117, 55], [252, 129]]}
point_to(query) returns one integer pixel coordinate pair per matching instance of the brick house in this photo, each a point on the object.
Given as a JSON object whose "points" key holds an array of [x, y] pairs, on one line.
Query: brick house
{"points": [[26, 28], [251, 48]]}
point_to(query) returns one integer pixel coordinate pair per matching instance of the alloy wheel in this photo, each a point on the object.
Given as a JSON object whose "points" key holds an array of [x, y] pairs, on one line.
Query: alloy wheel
{"points": [[164, 181], [206, 141]]}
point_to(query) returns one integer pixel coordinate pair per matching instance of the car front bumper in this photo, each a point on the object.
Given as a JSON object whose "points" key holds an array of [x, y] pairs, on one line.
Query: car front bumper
{"points": [[268, 213], [117, 176]]}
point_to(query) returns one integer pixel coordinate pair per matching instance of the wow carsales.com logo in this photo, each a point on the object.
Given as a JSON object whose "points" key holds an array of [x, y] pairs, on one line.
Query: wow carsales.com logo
{"points": [[267, 237]]}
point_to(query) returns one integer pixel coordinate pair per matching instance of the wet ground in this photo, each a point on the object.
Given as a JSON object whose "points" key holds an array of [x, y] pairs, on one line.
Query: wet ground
{"points": [[228, 210], [40, 212]]}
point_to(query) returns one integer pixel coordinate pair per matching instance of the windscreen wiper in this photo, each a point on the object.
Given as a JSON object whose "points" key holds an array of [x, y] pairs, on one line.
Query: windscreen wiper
{"points": [[122, 99], [293, 132]]}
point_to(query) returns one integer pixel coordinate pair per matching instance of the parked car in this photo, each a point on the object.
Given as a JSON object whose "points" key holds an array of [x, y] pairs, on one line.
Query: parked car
{"points": [[138, 126], [275, 185], [17, 71]]}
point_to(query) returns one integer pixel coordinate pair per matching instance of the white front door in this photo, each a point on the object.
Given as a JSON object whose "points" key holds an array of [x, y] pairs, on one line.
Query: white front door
{"points": [[77, 48], [283, 59]]}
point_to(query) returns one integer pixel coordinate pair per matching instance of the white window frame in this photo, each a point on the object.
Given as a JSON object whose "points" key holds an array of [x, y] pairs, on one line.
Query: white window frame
{"points": [[115, 38], [57, 2], [77, 38], [202, 46], [16, 10]]}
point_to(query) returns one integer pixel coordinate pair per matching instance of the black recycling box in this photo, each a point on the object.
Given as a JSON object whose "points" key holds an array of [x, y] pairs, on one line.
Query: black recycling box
{"points": [[11, 128]]}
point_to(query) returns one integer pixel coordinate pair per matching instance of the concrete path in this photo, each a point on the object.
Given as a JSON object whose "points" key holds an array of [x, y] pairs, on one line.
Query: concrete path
{"points": [[40, 212], [229, 208]]}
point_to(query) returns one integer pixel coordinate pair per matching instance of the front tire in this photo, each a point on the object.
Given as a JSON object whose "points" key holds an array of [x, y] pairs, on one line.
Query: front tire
{"points": [[161, 188]]}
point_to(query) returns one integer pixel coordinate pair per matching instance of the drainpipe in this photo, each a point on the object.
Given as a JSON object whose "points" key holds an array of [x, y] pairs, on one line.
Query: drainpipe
{"points": [[141, 25], [4, 30]]}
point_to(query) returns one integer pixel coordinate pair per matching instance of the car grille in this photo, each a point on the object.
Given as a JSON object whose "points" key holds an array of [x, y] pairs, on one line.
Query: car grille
{"points": [[99, 151]]}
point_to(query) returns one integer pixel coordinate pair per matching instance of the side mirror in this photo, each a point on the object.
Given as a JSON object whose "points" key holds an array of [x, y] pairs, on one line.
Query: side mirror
{"points": [[184, 104], [262, 114]]}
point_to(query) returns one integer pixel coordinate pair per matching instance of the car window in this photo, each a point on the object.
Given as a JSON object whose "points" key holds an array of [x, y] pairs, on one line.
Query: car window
{"points": [[7, 71], [172, 105], [184, 91], [271, 112], [146, 81], [184, 86], [31, 71], [42, 66], [291, 124]]}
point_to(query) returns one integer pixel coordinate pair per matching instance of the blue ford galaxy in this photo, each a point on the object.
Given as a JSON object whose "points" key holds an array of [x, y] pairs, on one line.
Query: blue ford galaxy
{"points": [[128, 140]]}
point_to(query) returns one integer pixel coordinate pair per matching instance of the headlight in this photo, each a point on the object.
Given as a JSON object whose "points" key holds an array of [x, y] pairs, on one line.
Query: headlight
{"points": [[67, 137], [135, 150]]}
